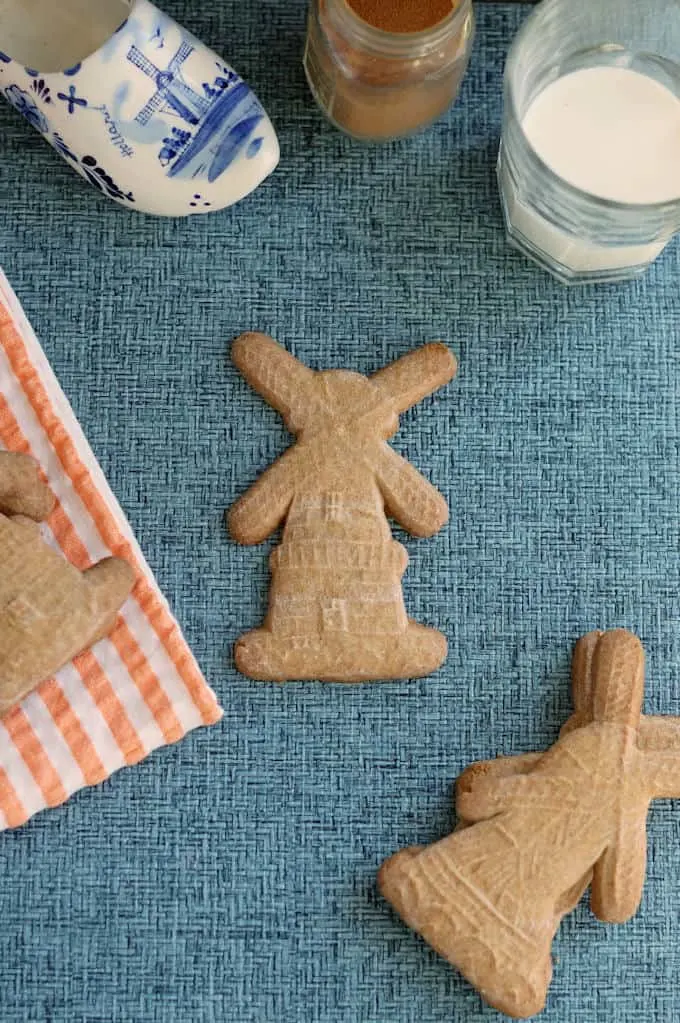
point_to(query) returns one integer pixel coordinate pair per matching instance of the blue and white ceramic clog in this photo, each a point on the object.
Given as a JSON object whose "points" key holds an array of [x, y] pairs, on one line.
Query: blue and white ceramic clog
{"points": [[152, 118]]}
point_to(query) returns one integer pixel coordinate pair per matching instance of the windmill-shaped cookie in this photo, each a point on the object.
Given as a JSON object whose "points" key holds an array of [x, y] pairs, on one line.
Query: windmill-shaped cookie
{"points": [[336, 609], [49, 611], [539, 828]]}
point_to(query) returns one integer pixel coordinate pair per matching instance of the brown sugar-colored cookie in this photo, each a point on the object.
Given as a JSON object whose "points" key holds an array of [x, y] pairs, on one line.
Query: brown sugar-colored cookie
{"points": [[336, 608], [49, 611], [22, 492], [538, 829]]}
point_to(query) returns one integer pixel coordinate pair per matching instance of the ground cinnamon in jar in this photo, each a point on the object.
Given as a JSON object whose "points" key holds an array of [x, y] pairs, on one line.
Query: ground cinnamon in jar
{"points": [[381, 69], [402, 15]]}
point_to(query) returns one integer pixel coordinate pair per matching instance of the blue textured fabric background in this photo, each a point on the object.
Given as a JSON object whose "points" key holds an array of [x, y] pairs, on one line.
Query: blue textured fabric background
{"points": [[231, 879]]}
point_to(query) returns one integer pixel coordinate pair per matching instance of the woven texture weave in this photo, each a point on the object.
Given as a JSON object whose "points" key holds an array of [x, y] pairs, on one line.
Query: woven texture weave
{"points": [[231, 879]]}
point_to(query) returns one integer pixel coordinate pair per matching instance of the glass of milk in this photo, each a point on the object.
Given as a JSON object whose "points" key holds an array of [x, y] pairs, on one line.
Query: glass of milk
{"points": [[589, 165]]}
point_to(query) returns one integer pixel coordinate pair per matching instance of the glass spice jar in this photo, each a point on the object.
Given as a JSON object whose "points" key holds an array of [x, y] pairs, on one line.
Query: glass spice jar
{"points": [[377, 85]]}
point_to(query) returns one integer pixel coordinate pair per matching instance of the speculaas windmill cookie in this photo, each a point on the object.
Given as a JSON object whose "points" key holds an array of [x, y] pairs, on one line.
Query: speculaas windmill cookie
{"points": [[539, 828], [49, 611], [336, 609]]}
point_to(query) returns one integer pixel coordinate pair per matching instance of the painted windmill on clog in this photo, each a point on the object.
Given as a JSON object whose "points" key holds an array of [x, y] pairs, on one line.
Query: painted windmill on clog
{"points": [[222, 117], [336, 609]]}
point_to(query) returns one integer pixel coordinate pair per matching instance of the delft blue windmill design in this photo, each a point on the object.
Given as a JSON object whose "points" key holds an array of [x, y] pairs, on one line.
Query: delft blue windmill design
{"points": [[172, 90], [224, 117]]}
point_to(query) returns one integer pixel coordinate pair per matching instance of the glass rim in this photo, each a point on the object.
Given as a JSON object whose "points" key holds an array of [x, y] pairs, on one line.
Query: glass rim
{"points": [[511, 68]]}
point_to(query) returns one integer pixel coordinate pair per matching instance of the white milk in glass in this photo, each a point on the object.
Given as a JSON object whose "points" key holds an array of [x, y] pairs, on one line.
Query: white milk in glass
{"points": [[614, 133]]}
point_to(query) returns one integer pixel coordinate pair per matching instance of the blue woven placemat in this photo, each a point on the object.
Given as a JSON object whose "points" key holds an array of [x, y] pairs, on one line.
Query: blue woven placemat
{"points": [[231, 879]]}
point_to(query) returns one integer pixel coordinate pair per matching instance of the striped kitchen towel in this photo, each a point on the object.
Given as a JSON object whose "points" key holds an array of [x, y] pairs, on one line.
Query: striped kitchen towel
{"points": [[133, 692]]}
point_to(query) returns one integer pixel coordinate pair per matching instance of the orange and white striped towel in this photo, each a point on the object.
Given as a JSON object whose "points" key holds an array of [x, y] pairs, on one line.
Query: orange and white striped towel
{"points": [[133, 692]]}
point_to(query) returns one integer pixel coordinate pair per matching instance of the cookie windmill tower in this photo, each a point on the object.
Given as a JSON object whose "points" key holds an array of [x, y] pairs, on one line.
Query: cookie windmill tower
{"points": [[336, 609]]}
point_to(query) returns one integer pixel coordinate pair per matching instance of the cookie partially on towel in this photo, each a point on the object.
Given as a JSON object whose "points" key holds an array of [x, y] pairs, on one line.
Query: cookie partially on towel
{"points": [[49, 611]]}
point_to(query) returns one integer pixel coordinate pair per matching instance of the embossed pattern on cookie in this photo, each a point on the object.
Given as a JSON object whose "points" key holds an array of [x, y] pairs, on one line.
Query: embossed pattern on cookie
{"points": [[538, 829], [49, 611], [336, 608]]}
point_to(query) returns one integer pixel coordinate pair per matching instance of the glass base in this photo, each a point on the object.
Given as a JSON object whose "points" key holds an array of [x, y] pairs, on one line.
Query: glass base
{"points": [[590, 263], [565, 274], [325, 107]]}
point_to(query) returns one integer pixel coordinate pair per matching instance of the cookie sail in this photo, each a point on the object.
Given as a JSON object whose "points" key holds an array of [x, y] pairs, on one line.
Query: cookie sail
{"points": [[336, 607]]}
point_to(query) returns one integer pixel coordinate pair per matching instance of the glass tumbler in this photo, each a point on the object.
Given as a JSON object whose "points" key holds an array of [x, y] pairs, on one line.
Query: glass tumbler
{"points": [[573, 234]]}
